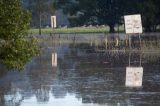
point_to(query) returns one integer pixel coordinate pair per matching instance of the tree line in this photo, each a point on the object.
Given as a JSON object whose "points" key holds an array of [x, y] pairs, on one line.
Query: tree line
{"points": [[110, 12]]}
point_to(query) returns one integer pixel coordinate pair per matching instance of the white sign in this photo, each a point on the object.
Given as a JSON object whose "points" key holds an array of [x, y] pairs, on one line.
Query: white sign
{"points": [[53, 22], [133, 24], [134, 76]]}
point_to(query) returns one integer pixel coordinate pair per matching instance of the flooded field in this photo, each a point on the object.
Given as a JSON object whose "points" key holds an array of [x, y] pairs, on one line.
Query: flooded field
{"points": [[86, 74]]}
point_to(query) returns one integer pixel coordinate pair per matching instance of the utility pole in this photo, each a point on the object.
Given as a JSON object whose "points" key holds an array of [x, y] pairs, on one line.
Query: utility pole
{"points": [[39, 9]]}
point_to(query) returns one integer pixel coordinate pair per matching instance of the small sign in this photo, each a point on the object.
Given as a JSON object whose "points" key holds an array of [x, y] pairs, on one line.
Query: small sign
{"points": [[53, 22], [134, 76], [133, 24]]}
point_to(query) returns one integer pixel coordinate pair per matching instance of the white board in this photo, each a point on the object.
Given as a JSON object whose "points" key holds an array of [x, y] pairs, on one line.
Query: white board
{"points": [[133, 24], [53, 22], [134, 76]]}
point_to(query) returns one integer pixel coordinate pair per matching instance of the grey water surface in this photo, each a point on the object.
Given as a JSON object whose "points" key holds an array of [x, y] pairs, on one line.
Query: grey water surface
{"points": [[83, 77]]}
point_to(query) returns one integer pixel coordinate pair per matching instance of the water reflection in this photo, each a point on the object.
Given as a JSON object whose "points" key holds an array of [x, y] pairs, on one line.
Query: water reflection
{"points": [[83, 77]]}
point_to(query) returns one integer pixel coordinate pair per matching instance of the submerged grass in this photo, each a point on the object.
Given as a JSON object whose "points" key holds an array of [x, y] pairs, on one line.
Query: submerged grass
{"points": [[150, 50]]}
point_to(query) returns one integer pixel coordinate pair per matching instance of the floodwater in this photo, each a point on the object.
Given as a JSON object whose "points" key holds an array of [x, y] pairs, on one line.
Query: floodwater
{"points": [[84, 76]]}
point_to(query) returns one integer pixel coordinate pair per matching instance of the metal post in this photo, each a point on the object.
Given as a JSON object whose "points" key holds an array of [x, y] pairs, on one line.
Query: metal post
{"points": [[140, 49], [140, 41], [129, 59], [140, 63], [129, 37]]}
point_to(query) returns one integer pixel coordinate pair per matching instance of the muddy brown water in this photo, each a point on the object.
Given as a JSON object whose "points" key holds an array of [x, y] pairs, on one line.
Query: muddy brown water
{"points": [[83, 77]]}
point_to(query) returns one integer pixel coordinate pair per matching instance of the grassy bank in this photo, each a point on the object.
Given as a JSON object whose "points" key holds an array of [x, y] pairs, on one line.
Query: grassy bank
{"points": [[74, 30]]}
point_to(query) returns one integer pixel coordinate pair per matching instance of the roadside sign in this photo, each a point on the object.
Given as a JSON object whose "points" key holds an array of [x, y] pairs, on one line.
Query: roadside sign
{"points": [[53, 22], [133, 24], [134, 76]]}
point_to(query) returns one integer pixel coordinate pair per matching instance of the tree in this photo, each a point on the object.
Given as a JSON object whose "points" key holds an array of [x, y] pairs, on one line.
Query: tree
{"points": [[149, 17], [107, 12], [110, 12], [41, 11], [148, 10], [16, 49]]}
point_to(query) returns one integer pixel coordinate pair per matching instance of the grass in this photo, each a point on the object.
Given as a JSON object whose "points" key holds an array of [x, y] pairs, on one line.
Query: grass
{"points": [[75, 30]]}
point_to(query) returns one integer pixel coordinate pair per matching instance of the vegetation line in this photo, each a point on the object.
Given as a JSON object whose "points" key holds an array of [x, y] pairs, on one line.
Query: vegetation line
{"points": [[74, 30]]}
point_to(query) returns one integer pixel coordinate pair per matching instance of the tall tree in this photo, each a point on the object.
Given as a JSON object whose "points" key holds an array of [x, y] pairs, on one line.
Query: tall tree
{"points": [[15, 49], [148, 10], [95, 11], [109, 12], [41, 11]]}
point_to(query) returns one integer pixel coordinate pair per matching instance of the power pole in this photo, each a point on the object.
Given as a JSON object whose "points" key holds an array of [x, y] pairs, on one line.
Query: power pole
{"points": [[39, 9]]}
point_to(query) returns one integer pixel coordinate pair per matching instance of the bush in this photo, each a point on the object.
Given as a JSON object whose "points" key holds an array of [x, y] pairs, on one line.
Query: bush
{"points": [[15, 48]]}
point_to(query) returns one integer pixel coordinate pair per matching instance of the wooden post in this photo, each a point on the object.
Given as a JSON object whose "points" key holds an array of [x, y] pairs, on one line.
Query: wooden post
{"points": [[117, 42]]}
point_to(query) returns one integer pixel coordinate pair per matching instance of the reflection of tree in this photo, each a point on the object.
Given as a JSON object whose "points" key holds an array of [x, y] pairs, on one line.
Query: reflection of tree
{"points": [[99, 77], [14, 86], [96, 77], [10, 89], [41, 75], [42, 94], [59, 91], [13, 99], [10, 96], [2, 93], [3, 71]]}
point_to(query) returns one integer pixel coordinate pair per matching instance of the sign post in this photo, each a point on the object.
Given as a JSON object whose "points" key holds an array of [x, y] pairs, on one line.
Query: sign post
{"points": [[134, 75], [133, 25]]}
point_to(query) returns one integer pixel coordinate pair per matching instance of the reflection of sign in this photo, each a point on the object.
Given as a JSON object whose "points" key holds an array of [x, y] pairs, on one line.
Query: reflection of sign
{"points": [[133, 23], [53, 22], [134, 76], [54, 59]]}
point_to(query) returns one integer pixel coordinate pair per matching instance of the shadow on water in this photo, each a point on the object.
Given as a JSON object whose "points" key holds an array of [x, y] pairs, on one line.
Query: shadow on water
{"points": [[86, 75]]}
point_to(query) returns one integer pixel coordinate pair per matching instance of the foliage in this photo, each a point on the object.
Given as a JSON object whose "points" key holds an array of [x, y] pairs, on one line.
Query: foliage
{"points": [[16, 48], [41, 11], [95, 12], [110, 12], [148, 10]]}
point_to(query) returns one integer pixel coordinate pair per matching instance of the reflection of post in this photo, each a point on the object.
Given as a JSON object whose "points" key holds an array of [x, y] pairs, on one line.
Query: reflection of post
{"points": [[129, 58], [127, 36], [140, 41], [117, 42], [134, 75], [54, 59]]}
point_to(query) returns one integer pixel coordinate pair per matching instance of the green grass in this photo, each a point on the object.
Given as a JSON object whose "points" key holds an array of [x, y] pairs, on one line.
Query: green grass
{"points": [[73, 30]]}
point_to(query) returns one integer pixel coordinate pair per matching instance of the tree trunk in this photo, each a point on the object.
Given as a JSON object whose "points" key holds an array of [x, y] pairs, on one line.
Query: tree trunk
{"points": [[148, 28], [111, 30]]}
